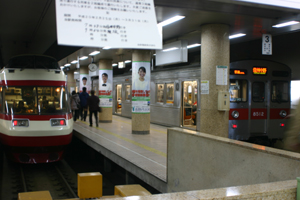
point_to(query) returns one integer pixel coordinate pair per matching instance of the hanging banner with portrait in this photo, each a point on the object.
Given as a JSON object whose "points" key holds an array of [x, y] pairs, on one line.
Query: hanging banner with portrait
{"points": [[141, 87], [105, 87], [85, 82]]}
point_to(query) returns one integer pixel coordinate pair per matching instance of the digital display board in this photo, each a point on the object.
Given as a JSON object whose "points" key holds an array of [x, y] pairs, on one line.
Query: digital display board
{"points": [[259, 70], [238, 71]]}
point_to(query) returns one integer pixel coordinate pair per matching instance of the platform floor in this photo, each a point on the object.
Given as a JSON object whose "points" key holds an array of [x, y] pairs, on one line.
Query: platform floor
{"points": [[145, 156]]}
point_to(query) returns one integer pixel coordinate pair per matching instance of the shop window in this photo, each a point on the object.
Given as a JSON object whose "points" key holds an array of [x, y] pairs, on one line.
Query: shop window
{"points": [[128, 92], [160, 93], [170, 93]]}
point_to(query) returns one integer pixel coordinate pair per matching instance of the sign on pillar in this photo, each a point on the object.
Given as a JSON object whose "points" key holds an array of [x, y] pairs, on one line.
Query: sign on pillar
{"points": [[141, 87], [85, 82], [105, 88]]}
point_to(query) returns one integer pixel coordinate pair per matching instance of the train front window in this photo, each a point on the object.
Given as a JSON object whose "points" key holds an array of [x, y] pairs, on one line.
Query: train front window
{"points": [[34, 100], [258, 92], [280, 91], [21, 100], [238, 90]]}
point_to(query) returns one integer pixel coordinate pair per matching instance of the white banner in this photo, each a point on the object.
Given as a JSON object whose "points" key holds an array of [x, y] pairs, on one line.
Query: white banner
{"points": [[99, 23], [267, 44], [85, 82], [105, 87]]}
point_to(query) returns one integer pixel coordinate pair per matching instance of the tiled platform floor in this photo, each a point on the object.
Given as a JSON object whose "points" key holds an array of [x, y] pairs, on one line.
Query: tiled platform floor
{"points": [[147, 152]]}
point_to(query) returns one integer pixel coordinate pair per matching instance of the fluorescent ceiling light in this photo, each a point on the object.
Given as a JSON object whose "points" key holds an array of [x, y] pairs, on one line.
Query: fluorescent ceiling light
{"points": [[170, 49], [171, 20], [115, 64], [83, 58], [61, 67], [74, 62], [107, 47], [127, 61], [295, 4], [237, 35], [67, 65], [193, 45], [154, 54], [94, 53], [285, 24]]}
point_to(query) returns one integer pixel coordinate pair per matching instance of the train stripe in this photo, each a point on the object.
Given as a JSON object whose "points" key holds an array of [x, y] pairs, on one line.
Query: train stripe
{"points": [[19, 141], [35, 117], [33, 83]]}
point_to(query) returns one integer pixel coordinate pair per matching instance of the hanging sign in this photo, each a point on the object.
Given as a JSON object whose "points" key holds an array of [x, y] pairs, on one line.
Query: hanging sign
{"points": [[114, 23], [267, 44]]}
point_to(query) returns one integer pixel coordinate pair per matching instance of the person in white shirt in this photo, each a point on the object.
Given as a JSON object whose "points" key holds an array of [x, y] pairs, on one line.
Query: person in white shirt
{"points": [[141, 83], [105, 85]]}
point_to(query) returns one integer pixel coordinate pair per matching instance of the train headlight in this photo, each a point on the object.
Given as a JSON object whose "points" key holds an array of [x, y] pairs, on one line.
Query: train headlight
{"points": [[20, 122], [58, 122], [235, 114], [283, 113]]}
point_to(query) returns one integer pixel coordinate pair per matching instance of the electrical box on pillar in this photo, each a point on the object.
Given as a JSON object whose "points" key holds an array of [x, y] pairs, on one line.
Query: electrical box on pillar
{"points": [[223, 101]]}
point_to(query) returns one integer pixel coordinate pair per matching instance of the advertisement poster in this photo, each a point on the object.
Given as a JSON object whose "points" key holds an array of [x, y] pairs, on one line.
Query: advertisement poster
{"points": [[105, 87], [141, 87], [108, 23], [85, 82]]}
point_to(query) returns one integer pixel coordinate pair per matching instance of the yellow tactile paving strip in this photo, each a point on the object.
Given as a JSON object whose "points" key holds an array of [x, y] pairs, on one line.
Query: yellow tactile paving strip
{"points": [[148, 152]]}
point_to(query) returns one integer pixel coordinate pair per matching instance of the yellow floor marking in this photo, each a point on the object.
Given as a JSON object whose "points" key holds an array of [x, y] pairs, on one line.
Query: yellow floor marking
{"points": [[164, 132], [130, 141]]}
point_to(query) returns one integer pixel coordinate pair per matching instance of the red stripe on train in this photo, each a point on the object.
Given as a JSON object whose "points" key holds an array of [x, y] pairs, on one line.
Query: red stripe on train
{"points": [[32, 141], [35, 117], [242, 111], [274, 113], [33, 83]]}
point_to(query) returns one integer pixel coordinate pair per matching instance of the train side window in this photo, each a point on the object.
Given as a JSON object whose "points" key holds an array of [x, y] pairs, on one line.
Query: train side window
{"points": [[170, 93], [280, 91], [127, 92], [238, 90], [1, 100], [160, 93], [258, 92]]}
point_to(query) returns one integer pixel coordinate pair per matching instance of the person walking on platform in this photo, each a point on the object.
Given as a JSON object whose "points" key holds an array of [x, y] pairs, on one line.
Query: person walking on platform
{"points": [[83, 102], [93, 104], [75, 101]]}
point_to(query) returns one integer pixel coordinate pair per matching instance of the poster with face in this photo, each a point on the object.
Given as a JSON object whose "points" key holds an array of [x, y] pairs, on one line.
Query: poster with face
{"points": [[141, 87], [105, 87], [85, 82]]}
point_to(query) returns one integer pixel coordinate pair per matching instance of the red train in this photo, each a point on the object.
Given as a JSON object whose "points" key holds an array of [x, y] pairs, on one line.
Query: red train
{"points": [[35, 117]]}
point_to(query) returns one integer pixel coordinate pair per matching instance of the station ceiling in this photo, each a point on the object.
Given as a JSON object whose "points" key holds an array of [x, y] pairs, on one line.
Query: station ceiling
{"points": [[29, 27]]}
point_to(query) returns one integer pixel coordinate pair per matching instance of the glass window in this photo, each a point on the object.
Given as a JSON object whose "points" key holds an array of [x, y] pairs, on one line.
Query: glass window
{"points": [[170, 93], [258, 92], [128, 92], [1, 100], [34, 100], [280, 91], [238, 90], [160, 93], [52, 100]]}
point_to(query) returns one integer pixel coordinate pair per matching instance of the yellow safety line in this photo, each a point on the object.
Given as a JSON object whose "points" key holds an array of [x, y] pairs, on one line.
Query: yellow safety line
{"points": [[131, 141], [150, 128]]}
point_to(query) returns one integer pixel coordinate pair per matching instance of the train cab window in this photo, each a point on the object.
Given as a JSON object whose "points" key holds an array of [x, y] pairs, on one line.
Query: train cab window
{"points": [[258, 92], [280, 91], [238, 90], [170, 93], [52, 100], [128, 92], [20, 100], [160, 93]]}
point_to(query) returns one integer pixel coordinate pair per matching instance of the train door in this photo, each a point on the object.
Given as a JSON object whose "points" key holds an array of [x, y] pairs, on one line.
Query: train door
{"points": [[119, 99], [189, 104], [259, 108]]}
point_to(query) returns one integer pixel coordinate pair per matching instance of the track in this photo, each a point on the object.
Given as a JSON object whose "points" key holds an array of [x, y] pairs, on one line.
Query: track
{"points": [[58, 178]]}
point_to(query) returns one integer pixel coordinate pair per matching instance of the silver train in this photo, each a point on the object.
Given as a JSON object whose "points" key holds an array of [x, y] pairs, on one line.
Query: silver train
{"points": [[259, 98]]}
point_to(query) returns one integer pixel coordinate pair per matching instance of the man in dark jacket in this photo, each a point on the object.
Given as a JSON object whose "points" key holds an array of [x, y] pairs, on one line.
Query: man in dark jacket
{"points": [[83, 102], [93, 104]]}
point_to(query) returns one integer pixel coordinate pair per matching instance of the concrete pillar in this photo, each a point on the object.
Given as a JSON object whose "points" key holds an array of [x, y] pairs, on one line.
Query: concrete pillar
{"points": [[71, 82], [215, 48], [105, 92], [140, 120]]}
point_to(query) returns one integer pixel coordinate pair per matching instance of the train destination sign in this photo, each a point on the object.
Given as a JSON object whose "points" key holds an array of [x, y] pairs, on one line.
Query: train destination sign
{"points": [[238, 71], [259, 70]]}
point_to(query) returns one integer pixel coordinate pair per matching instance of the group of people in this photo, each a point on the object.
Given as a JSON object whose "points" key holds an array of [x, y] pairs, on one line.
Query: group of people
{"points": [[82, 102]]}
